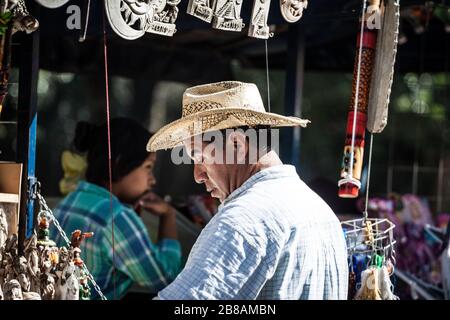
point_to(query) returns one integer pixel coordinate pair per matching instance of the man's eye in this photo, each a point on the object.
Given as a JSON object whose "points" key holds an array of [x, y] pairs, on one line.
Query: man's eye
{"points": [[198, 158]]}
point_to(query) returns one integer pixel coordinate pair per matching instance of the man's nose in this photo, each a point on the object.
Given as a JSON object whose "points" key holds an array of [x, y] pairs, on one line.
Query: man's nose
{"points": [[199, 173]]}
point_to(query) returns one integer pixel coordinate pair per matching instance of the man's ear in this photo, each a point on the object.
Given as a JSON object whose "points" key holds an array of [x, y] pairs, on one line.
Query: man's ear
{"points": [[240, 147]]}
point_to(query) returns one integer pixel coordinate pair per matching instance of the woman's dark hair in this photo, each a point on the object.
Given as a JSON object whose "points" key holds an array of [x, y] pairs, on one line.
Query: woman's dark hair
{"points": [[128, 148]]}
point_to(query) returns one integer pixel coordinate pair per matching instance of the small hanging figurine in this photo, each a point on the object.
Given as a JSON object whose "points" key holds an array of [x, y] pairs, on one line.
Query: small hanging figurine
{"points": [[47, 279], [43, 231], [227, 15], [12, 290], [47, 286], [32, 256], [9, 256], [20, 269], [201, 9], [85, 290], [386, 286], [164, 19], [370, 289], [77, 238], [292, 10], [3, 228], [258, 25], [67, 286]]}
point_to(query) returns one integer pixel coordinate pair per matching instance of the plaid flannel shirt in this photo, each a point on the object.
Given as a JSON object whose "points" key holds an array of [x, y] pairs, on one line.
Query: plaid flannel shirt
{"points": [[136, 258]]}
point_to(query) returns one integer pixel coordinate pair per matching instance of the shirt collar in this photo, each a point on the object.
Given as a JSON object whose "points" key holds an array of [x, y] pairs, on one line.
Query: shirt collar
{"points": [[88, 187], [274, 172]]}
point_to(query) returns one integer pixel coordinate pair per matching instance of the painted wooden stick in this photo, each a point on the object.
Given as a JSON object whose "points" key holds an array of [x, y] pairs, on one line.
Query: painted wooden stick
{"points": [[350, 184]]}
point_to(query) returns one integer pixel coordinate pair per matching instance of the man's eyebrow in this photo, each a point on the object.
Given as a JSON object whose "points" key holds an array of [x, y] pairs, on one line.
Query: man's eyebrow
{"points": [[194, 151]]}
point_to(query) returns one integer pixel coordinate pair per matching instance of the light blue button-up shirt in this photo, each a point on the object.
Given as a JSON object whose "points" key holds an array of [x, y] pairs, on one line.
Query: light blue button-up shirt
{"points": [[272, 238]]}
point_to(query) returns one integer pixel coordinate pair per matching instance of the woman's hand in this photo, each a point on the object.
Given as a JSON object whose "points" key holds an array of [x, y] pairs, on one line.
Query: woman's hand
{"points": [[155, 205]]}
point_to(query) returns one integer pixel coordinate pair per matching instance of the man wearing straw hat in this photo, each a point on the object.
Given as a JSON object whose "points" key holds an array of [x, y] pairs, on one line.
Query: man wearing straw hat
{"points": [[272, 237]]}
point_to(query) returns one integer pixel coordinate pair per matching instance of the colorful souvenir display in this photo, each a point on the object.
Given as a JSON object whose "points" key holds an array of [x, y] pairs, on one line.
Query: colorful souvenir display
{"points": [[44, 271]]}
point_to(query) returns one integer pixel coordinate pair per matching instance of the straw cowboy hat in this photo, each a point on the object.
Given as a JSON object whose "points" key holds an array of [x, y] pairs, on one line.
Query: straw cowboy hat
{"points": [[217, 106]]}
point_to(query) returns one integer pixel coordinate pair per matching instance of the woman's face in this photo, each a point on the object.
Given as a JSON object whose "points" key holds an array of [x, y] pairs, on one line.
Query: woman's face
{"points": [[138, 181]]}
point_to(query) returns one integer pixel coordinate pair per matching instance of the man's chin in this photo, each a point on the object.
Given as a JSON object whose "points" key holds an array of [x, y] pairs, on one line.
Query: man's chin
{"points": [[215, 194]]}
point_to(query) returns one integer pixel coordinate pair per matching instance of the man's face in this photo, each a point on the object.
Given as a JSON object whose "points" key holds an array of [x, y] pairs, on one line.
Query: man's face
{"points": [[215, 176], [218, 176]]}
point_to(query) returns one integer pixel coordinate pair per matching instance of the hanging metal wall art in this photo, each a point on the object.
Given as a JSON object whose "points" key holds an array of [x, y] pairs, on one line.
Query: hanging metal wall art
{"points": [[202, 9], [258, 25], [52, 4], [227, 15], [131, 19], [292, 10]]}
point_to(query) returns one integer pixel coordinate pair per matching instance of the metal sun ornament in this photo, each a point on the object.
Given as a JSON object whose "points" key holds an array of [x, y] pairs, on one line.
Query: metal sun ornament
{"points": [[131, 19]]}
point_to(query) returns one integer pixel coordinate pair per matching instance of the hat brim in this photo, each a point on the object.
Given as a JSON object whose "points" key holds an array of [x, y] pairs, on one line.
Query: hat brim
{"points": [[174, 133]]}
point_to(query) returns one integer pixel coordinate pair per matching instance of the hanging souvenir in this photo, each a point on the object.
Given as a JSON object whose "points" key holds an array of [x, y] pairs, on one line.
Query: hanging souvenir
{"points": [[201, 9], [258, 24], [372, 81], [43, 230], [383, 72], [352, 162], [32, 256], [75, 242], [292, 10], [227, 15], [52, 4], [370, 245], [12, 290], [3, 227], [130, 19], [14, 17]]}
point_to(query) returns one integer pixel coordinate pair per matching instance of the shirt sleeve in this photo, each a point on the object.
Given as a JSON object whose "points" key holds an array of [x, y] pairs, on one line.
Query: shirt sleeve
{"points": [[223, 265], [147, 264]]}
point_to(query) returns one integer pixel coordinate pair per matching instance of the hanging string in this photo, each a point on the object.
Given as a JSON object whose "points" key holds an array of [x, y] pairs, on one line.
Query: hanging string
{"points": [[267, 76], [86, 23], [369, 166], [358, 76], [105, 54]]}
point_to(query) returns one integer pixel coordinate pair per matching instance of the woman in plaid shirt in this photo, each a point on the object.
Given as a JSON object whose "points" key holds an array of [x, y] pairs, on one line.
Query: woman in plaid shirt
{"points": [[90, 207]]}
